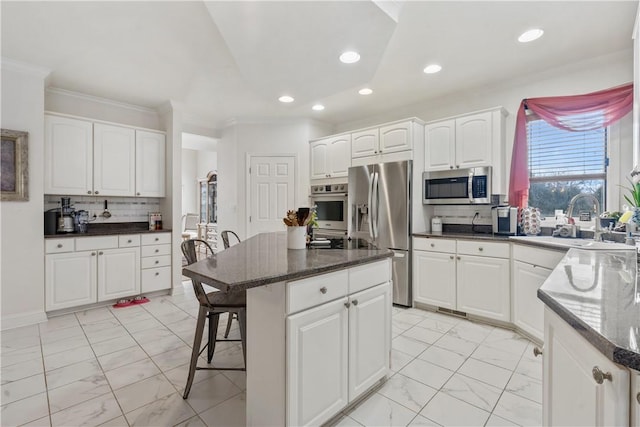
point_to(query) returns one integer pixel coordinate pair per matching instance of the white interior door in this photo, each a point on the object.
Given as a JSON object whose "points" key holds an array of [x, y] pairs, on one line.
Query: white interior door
{"points": [[272, 191]]}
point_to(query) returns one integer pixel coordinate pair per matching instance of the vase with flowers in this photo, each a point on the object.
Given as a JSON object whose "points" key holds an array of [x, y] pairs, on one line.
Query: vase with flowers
{"points": [[633, 198], [296, 222]]}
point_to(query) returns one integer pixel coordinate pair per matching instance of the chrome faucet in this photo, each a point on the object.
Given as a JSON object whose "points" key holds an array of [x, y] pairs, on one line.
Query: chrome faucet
{"points": [[597, 235]]}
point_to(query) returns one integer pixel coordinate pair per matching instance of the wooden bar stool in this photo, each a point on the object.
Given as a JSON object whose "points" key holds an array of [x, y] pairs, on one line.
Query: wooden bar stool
{"points": [[212, 305]]}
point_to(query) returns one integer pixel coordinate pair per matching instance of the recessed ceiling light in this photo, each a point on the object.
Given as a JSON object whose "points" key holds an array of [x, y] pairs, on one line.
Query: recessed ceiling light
{"points": [[349, 57], [365, 91], [285, 98], [432, 69], [531, 35], [318, 107]]}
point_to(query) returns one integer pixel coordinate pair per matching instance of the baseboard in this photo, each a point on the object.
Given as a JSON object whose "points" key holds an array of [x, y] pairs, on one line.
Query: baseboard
{"points": [[22, 319]]}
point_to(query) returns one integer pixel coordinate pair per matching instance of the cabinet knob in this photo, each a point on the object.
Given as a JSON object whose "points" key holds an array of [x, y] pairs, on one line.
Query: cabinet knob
{"points": [[137, 194], [88, 192], [451, 167], [638, 397], [458, 258], [458, 166], [93, 254], [600, 376], [355, 302], [97, 192], [480, 249], [157, 273], [157, 250], [129, 241], [157, 239], [323, 290], [380, 151], [433, 245], [100, 253], [536, 351], [347, 304], [375, 152], [157, 262], [450, 256], [59, 245]]}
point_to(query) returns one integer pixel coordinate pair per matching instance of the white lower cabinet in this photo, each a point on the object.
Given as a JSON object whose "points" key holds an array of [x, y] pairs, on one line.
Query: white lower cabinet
{"points": [[574, 394], [337, 350], [118, 273], [434, 278], [483, 286], [71, 279], [317, 355]]}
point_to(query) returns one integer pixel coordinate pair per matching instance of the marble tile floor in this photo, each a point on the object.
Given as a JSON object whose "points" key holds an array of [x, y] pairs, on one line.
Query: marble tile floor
{"points": [[128, 367]]}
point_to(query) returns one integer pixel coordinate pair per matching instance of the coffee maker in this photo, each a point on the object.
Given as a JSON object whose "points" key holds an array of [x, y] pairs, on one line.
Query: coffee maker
{"points": [[65, 222]]}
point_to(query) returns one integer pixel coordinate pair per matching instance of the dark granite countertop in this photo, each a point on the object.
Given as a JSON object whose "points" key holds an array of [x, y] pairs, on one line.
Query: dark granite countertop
{"points": [[597, 293], [108, 229], [264, 259]]}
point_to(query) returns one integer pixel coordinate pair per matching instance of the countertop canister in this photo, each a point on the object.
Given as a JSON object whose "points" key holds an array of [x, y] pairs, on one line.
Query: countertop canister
{"points": [[297, 237], [436, 224]]}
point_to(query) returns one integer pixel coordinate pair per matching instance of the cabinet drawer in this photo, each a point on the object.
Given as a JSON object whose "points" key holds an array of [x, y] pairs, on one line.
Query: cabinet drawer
{"points": [[368, 275], [155, 238], [156, 250], [316, 290], [436, 245], [547, 258], [155, 279], [156, 261], [129, 240], [90, 243], [56, 246], [491, 249]]}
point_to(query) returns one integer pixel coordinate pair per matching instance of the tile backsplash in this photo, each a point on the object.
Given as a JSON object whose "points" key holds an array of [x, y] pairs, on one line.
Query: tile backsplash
{"points": [[464, 214], [122, 209]]}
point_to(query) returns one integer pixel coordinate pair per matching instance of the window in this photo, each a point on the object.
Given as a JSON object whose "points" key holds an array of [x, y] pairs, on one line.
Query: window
{"points": [[563, 164]]}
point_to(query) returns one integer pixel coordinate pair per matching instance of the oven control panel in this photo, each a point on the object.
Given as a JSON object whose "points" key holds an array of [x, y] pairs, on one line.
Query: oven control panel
{"points": [[329, 189]]}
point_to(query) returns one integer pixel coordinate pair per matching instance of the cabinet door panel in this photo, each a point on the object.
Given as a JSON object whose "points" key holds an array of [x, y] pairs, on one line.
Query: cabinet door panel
{"points": [[339, 156], [483, 287], [118, 273], [114, 151], [528, 310], [439, 149], [369, 338], [473, 140], [70, 279], [364, 143], [150, 164], [68, 164], [318, 156], [317, 346], [396, 137], [434, 278]]}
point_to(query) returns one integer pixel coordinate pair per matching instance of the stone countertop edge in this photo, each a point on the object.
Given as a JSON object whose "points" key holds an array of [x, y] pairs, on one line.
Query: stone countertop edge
{"points": [[267, 280], [104, 233], [614, 352], [491, 237], [621, 356]]}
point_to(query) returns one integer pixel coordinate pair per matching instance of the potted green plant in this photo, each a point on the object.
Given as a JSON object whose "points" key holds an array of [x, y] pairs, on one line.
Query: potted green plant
{"points": [[609, 218]]}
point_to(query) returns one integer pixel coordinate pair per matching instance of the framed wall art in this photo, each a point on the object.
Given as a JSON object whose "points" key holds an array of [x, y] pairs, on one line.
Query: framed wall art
{"points": [[14, 166]]}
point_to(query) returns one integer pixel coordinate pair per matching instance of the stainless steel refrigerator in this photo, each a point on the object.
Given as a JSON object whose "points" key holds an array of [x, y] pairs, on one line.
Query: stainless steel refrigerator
{"points": [[380, 211]]}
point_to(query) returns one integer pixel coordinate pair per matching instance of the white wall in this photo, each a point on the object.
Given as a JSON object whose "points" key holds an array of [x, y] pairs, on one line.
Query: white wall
{"points": [[189, 181], [241, 139], [207, 162], [21, 223]]}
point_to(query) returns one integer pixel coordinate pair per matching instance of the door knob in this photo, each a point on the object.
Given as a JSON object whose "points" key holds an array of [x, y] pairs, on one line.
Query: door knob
{"points": [[600, 376]]}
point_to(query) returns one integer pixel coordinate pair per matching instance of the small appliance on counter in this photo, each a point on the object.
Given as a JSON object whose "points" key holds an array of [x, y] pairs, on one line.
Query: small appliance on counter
{"points": [[436, 224], [81, 221], [51, 221], [65, 221], [504, 220]]}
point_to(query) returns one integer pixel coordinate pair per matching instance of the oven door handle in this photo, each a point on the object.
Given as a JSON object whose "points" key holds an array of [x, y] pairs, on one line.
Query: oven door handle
{"points": [[369, 199], [470, 186]]}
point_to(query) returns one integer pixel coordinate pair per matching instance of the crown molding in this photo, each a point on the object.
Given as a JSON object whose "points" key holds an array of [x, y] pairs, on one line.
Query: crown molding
{"points": [[100, 100], [23, 67]]}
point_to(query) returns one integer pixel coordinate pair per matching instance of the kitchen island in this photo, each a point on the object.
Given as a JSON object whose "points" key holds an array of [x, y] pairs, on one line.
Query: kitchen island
{"points": [[318, 324], [592, 340]]}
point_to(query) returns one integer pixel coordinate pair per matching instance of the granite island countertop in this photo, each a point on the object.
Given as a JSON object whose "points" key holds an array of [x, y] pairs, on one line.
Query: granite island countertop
{"points": [[597, 293], [264, 259]]}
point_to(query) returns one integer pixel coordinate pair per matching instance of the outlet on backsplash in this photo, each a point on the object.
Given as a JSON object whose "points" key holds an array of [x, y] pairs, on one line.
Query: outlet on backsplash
{"points": [[122, 209]]}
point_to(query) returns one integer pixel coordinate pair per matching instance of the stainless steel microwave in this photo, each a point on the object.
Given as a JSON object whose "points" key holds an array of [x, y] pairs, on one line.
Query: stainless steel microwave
{"points": [[457, 187]]}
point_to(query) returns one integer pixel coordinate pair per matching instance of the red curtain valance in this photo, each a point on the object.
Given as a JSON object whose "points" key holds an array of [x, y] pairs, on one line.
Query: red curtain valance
{"points": [[611, 104]]}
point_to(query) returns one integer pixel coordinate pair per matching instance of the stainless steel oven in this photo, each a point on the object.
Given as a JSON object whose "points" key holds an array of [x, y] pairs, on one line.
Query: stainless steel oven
{"points": [[331, 207]]}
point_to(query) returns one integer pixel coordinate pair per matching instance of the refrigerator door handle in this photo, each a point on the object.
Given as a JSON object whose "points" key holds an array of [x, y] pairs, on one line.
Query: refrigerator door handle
{"points": [[376, 203], [470, 186], [370, 219]]}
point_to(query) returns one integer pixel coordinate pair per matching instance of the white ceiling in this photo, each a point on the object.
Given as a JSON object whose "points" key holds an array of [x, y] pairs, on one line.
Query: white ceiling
{"points": [[226, 60]]}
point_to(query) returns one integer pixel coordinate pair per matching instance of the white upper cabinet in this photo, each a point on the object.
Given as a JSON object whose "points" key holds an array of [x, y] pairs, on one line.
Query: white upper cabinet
{"points": [[150, 164], [396, 137], [365, 143], [68, 150], [114, 151], [473, 141], [467, 141], [440, 145], [330, 157]]}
